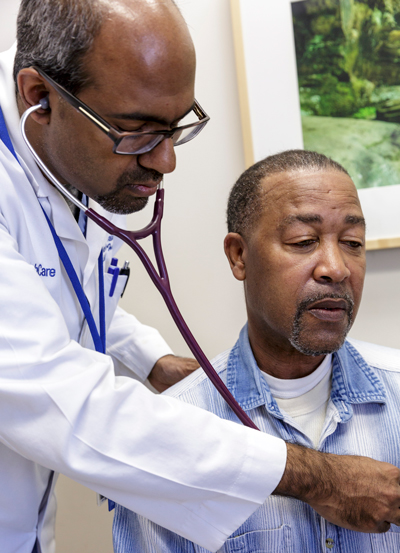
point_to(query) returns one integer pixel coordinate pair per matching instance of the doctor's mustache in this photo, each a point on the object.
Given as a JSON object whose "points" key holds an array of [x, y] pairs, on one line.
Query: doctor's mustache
{"points": [[139, 175]]}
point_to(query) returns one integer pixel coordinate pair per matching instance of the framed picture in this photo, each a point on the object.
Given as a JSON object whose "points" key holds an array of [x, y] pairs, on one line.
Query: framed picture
{"points": [[320, 75]]}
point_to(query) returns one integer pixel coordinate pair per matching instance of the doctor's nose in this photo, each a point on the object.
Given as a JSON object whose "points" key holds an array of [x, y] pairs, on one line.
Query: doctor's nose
{"points": [[331, 266], [162, 158]]}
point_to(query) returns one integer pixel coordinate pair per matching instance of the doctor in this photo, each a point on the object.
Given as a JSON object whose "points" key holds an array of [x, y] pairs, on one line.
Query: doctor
{"points": [[63, 407]]}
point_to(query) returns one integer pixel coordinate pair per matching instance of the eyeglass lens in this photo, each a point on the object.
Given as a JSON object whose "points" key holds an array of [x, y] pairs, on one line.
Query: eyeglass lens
{"points": [[141, 143]]}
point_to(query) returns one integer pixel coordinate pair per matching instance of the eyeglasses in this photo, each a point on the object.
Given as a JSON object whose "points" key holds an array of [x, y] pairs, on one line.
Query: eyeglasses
{"points": [[135, 142]]}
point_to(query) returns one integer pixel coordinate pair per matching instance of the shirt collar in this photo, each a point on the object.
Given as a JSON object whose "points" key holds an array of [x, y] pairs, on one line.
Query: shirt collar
{"points": [[353, 380]]}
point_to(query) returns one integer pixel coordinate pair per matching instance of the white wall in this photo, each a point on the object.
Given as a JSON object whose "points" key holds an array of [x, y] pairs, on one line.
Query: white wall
{"points": [[193, 231], [9, 10]]}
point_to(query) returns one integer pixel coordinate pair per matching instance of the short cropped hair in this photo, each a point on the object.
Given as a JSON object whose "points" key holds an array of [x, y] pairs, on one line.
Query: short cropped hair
{"points": [[56, 35], [245, 199]]}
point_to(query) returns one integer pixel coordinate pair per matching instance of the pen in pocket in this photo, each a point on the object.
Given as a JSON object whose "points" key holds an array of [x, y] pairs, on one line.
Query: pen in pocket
{"points": [[125, 271]]}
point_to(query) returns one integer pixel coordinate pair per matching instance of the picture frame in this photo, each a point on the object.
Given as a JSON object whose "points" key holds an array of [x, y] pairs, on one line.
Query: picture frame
{"points": [[270, 104]]}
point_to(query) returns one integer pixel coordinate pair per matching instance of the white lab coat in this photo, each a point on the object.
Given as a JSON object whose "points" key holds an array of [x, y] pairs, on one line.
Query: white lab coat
{"points": [[62, 407]]}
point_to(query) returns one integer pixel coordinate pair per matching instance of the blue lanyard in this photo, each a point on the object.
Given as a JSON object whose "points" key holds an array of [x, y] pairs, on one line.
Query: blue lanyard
{"points": [[99, 338]]}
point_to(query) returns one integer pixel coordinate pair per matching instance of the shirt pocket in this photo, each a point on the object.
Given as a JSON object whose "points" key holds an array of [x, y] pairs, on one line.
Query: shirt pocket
{"points": [[388, 542], [277, 540]]}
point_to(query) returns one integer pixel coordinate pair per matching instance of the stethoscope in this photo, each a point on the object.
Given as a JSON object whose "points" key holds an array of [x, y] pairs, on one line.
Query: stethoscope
{"points": [[160, 278]]}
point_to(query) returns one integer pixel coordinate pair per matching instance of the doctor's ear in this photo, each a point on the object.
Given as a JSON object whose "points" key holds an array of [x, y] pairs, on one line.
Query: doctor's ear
{"points": [[235, 251], [33, 90]]}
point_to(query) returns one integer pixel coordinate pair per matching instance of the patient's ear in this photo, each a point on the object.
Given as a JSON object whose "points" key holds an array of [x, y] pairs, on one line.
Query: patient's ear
{"points": [[235, 251]]}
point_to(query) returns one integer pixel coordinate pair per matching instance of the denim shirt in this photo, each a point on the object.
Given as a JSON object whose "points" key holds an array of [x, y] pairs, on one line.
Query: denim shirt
{"points": [[362, 418]]}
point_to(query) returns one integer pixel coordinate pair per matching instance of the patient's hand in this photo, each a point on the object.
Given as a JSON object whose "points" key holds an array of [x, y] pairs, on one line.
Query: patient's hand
{"points": [[169, 370], [354, 492]]}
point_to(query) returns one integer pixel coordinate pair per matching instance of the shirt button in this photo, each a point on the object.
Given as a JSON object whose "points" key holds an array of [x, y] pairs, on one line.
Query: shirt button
{"points": [[329, 543]]}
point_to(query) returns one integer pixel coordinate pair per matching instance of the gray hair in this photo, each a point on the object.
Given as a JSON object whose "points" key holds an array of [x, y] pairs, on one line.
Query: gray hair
{"points": [[55, 35], [245, 199]]}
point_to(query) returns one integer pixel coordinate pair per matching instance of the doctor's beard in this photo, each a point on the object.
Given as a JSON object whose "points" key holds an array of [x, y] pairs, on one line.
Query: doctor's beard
{"points": [[114, 201]]}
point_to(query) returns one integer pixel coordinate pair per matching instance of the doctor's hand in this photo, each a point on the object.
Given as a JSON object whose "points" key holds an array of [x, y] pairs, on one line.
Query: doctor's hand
{"points": [[169, 370], [354, 492]]}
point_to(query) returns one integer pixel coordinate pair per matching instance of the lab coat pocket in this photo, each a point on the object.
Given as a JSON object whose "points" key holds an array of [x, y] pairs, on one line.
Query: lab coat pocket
{"points": [[278, 540], [111, 302]]}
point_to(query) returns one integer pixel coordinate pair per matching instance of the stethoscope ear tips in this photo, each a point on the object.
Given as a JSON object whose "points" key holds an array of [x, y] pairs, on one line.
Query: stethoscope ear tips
{"points": [[44, 102]]}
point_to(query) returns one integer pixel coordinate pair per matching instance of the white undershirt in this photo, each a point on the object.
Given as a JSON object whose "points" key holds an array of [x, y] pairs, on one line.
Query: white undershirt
{"points": [[305, 399]]}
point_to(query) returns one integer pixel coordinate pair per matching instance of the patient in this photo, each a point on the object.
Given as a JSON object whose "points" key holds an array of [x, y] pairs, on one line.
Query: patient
{"points": [[297, 241]]}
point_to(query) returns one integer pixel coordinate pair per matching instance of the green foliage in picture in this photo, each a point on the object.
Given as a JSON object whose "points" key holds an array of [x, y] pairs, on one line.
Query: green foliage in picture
{"points": [[348, 61]]}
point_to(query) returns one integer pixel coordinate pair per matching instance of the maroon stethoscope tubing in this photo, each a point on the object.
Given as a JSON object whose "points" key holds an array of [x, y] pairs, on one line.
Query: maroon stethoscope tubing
{"points": [[161, 281]]}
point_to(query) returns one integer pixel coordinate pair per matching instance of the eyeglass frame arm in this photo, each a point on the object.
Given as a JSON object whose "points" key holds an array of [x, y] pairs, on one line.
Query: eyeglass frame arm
{"points": [[115, 135]]}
